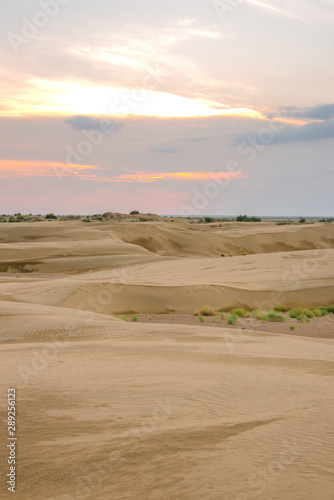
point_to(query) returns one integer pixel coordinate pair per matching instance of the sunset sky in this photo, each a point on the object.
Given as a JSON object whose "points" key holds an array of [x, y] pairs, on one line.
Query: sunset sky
{"points": [[182, 107]]}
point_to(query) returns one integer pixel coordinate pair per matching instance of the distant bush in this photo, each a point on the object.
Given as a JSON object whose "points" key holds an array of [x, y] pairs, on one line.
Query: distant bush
{"points": [[297, 313], [207, 311], [280, 309], [222, 315], [201, 319], [274, 317], [292, 327], [258, 314], [207, 220], [245, 218], [283, 222], [244, 253], [51, 216], [241, 313], [86, 219], [222, 255], [108, 215], [316, 313], [302, 220], [134, 212], [135, 317]]}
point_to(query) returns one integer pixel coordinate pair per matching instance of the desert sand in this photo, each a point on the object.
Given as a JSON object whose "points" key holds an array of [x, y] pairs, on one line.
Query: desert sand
{"points": [[108, 409]]}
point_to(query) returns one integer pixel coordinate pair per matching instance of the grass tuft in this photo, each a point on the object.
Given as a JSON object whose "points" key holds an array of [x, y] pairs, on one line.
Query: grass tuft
{"points": [[135, 317], [123, 318], [292, 327], [232, 319], [201, 319]]}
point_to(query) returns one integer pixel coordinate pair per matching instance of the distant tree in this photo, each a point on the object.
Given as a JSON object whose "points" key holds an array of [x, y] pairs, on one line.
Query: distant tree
{"points": [[51, 216], [207, 220], [302, 220], [134, 212]]}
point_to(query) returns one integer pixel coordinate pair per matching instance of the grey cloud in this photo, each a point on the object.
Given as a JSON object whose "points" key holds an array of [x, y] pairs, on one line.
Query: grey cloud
{"points": [[314, 131], [196, 139], [323, 112], [305, 133], [89, 123], [166, 150]]}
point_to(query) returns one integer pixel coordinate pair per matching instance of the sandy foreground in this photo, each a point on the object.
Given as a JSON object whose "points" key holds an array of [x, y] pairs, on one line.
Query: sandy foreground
{"points": [[113, 410]]}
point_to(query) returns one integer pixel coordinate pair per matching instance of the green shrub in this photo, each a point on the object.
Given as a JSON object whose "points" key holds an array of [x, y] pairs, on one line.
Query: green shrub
{"points": [[330, 309], [134, 212], [274, 317], [292, 327], [258, 314], [244, 253], [222, 315], [241, 313], [297, 312], [230, 255], [135, 317], [309, 314], [201, 319], [222, 255], [232, 319], [51, 216], [280, 309]]}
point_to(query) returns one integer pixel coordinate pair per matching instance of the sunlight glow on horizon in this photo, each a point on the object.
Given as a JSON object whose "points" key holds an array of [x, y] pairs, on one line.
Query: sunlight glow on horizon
{"points": [[46, 97]]}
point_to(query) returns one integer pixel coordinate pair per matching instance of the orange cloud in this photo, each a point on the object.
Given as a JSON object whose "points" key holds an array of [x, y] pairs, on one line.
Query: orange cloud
{"points": [[41, 168], [20, 168], [146, 177]]}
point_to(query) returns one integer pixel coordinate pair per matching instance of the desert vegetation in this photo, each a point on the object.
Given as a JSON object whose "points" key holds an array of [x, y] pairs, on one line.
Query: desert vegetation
{"points": [[279, 314]]}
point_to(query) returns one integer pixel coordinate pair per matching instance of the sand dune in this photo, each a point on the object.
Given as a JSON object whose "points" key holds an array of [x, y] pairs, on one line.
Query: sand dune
{"points": [[173, 412], [116, 410], [76, 246], [185, 285]]}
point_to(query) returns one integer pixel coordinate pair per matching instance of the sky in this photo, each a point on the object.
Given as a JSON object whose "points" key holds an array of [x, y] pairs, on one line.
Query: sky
{"points": [[185, 107]]}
